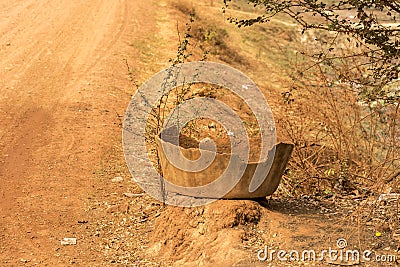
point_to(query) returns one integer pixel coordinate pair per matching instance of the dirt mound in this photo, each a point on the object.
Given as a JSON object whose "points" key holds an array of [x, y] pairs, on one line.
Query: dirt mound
{"points": [[207, 235]]}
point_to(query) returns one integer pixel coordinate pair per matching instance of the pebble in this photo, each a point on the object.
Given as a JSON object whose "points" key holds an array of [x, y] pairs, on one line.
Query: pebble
{"points": [[68, 241], [117, 179]]}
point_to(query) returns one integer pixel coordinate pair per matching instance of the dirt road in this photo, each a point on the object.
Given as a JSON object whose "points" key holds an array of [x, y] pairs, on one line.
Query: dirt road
{"points": [[63, 88]]}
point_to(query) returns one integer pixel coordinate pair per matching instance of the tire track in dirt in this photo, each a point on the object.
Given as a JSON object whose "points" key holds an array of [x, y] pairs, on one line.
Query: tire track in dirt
{"points": [[116, 37], [52, 123], [104, 49]]}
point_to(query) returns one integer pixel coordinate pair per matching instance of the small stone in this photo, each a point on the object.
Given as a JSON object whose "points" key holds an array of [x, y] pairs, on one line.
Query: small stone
{"points": [[68, 241], [117, 179], [392, 196]]}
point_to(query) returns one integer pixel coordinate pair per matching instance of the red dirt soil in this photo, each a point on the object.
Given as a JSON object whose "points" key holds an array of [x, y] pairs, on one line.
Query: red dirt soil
{"points": [[64, 87], [63, 83]]}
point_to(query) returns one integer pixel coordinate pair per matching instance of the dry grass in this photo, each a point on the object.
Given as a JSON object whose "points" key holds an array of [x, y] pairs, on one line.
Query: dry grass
{"points": [[342, 146]]}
